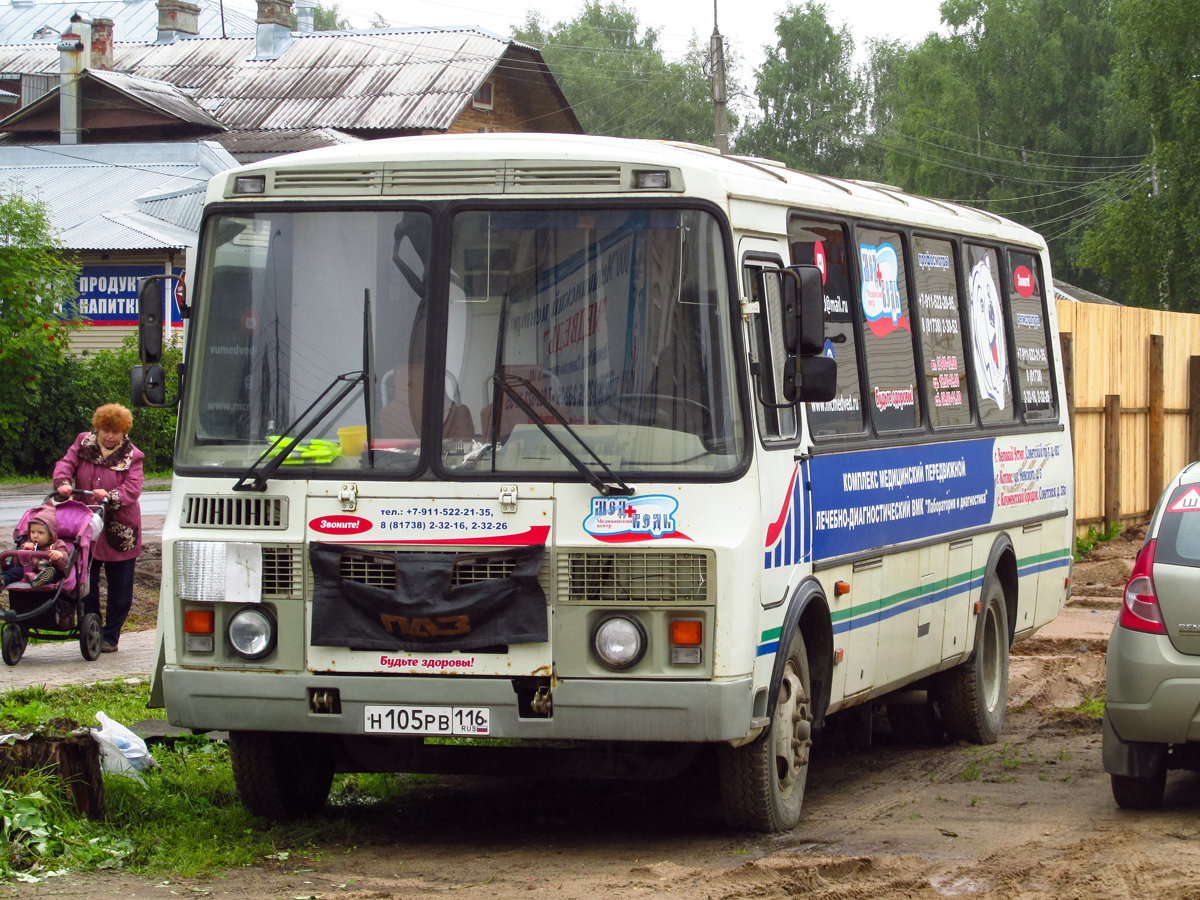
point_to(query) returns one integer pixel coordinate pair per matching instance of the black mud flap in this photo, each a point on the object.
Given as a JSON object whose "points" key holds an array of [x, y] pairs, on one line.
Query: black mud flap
{"points": [[367, 600]]}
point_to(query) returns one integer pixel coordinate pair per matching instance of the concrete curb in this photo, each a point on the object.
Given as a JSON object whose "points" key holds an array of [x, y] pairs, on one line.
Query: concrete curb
{"points": [[54, 664]]}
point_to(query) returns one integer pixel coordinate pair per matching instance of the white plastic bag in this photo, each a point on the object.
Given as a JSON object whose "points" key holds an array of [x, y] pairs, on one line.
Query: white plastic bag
{"points": [[121, 751]]}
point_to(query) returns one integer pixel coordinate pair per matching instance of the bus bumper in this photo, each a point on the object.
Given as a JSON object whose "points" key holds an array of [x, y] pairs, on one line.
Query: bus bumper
{"points": [[583, 709]]}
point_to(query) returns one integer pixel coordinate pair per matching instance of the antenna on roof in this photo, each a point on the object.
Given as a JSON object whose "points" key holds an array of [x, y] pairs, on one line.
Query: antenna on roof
{"points": [[223, 18]]}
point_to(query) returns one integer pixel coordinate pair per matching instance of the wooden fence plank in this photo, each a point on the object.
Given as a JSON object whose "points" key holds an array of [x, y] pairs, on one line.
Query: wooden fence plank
{"points": [[1112, 460], [1155, 481]]}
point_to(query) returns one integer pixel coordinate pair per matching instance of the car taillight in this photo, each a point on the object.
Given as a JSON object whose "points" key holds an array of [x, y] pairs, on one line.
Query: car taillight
{"points": [[1140, 611]]}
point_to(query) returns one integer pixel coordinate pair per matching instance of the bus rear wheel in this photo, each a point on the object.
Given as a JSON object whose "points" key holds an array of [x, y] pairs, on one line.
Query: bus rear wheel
{"points": [[762, 783], [973, 695], [280, 776]]}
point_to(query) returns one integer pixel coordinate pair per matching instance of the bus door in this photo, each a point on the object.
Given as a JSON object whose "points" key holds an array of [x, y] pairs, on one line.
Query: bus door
{"points": [[862, 638], [779, 474], [960, 594]]}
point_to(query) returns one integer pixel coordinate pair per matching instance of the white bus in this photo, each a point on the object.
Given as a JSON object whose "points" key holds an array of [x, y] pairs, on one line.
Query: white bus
{"points": [[517, 453]]}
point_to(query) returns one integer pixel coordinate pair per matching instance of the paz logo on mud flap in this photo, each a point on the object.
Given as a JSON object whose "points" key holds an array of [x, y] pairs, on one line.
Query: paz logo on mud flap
{"points": [[443, 626], [632, 518]]}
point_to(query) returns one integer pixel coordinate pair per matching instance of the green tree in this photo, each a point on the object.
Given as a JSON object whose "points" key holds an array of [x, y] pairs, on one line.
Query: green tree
{"points": [[809, 97], [614, 74], [329, 18], [1015, 112], [35, 281], [1148, 234]]}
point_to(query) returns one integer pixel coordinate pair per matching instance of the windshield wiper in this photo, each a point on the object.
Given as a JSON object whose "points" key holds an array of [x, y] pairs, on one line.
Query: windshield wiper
{"points": [[349, 381], [505, 383]]}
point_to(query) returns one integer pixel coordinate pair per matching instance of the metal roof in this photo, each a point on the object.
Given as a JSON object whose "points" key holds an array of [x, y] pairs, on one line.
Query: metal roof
{"points": [[393, 79], [259, 144], [133, 20], [117, 196], [161, 95]]}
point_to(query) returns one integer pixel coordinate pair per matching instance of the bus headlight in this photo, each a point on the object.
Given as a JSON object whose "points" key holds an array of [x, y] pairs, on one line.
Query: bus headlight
{"points": [[251, 632], [619, 641]]}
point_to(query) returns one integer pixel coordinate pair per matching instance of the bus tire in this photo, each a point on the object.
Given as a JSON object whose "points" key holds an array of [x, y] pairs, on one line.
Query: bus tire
{"points": [[973, 695], [762, 783], [276, 776]]}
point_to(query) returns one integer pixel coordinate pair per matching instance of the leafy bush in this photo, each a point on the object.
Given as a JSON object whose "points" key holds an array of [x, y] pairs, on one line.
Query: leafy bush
{"points": [[71, 389]]}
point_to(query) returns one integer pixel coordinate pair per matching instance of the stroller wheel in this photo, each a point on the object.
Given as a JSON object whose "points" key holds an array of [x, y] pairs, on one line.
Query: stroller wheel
{"points": [[89, 637], [12, 645]]}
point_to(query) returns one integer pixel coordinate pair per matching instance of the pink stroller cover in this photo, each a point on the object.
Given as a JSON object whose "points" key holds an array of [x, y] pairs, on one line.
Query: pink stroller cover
{"points": [[75, 523]]}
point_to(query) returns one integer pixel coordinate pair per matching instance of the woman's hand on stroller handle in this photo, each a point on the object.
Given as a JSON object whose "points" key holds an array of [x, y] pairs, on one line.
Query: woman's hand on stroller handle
{"points": [[64, 492]]}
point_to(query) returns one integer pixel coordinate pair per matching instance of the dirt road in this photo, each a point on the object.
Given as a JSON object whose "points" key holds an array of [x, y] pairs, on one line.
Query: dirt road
{"points": [[1030, 817]]}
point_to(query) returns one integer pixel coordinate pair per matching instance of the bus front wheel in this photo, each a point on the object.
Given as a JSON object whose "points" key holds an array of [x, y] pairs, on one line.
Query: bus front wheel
{"points": [[280, 776], [762, 783], [973, 695]]}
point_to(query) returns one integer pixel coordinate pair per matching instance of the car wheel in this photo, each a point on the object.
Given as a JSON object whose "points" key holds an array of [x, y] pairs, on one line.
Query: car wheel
{"points": [[1132, 792], [762, 783], [280, 776], [972, 696]]}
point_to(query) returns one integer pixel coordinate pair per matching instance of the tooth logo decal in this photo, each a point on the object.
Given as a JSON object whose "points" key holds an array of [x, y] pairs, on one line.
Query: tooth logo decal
{"points": [[617, 520]]}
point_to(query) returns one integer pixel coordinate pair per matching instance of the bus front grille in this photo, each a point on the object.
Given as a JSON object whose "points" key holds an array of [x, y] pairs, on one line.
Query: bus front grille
{"points": [[208, 511], [632, 576], [282, 571], [378, 571]]}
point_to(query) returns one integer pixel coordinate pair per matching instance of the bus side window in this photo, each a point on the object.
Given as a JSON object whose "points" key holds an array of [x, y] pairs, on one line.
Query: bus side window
{"points": [[823, 244], [1027, 297], [893, 395], [989, 335], [767, 361], [943, 359]]}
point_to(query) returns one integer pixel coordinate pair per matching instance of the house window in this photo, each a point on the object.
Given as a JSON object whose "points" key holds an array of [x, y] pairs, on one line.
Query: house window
{"points": [[483, 96]]}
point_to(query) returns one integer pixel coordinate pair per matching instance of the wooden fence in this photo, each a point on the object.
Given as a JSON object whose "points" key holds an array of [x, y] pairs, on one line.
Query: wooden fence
{"points": [[1133, 384]]}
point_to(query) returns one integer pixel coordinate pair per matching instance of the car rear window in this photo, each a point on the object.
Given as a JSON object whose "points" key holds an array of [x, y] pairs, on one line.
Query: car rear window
{"points": [[1179, 534]]}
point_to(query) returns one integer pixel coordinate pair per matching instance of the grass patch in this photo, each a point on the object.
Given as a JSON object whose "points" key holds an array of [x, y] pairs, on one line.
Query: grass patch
{"points": [[186, 821], [1085, 544], [1092, 707]]}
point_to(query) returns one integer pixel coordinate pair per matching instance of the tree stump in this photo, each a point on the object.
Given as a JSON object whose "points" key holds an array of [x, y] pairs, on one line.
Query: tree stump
{"points": [[73, 759]]}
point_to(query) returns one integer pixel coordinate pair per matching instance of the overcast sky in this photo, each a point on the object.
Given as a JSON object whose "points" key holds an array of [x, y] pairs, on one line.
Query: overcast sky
{"points": [[747, 24]]}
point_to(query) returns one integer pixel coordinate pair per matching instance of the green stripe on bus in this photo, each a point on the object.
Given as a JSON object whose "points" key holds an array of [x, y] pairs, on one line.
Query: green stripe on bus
{"points": [[924, 590], [770, 634]]}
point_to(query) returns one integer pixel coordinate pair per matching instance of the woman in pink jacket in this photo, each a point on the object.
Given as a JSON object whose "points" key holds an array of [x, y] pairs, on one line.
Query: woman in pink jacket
{"points": [[105, 462]]}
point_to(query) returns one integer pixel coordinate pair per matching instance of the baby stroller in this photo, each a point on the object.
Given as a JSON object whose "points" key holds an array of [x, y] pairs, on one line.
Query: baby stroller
{"points": [[54, 612]]}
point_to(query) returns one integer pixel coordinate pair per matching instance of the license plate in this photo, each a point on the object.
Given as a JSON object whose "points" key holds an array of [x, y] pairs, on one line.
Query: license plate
{"points": [[448, 720]]}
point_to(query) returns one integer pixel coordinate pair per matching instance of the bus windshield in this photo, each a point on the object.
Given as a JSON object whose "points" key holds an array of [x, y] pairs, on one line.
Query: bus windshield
{"points": [[615, 322]]}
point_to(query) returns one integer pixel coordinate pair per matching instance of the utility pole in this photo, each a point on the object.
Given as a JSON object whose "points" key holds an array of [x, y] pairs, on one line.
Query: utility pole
{"points": [[717, 55]]}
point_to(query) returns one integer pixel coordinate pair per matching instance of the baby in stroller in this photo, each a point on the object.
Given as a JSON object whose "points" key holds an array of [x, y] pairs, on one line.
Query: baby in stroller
{"points": [[46, 578], [42, 534]]}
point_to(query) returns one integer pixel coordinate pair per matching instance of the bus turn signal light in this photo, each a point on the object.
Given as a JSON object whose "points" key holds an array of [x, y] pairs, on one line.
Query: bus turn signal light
{"points": [[198, 630], [687, 632], [686, 637], [198, 621]]}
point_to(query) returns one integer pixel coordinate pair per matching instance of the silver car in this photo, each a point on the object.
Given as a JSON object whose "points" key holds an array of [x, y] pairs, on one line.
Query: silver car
{"points": [[1152, 715]]}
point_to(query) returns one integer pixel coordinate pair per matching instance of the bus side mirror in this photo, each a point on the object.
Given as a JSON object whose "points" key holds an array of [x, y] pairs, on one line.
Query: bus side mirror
{"points": [[808, 376], [818, 379], [150, 321], [148, 386]]}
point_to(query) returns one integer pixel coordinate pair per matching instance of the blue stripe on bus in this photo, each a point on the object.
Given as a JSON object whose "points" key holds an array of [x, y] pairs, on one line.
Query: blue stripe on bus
{"points": [[1045, 566], [915, 603], [769, 647]]}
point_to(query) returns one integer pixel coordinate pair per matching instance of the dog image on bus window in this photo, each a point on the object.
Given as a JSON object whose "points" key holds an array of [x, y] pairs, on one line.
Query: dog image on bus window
{"points": [[987, 331]]}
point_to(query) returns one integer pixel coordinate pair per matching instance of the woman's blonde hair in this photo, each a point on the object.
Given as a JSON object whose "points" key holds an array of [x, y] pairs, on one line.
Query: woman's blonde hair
{"points": [[112, 417]]}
